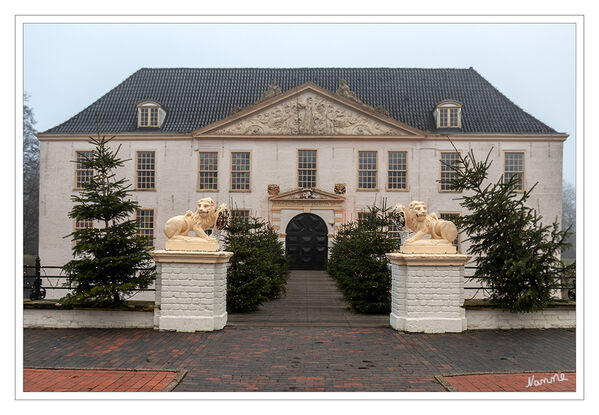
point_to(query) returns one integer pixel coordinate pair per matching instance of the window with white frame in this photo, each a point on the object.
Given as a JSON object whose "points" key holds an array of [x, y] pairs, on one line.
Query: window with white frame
{"points": [[244, 214], [514, 166], [208, 171], [367, 170], [363, 215], [306, 169], [397, 173], [145, 224], [394, 231], [448, 159], [150, 115], [82, 224], [240, 171], [145, 175], [83, 174], [449, 114]]}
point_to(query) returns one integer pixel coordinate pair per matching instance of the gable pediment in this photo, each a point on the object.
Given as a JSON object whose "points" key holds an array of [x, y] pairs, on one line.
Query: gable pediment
{"points": [[307, 194], [308, 110]]}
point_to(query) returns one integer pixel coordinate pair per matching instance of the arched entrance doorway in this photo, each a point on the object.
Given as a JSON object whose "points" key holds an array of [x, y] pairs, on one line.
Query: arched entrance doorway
{"points": [[306, 242]]}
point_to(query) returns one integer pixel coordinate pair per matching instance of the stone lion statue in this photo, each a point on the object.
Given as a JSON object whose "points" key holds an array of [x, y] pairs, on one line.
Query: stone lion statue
{"points": [[206, 216], [442, 232]]}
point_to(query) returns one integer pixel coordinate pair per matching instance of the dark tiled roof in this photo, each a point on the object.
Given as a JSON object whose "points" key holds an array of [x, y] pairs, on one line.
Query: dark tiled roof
{"points": [[195, 97]]}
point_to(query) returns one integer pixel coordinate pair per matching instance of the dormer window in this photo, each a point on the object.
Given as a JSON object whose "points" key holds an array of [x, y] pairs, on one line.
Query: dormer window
{"points": [[150, 115], [449, 114]]}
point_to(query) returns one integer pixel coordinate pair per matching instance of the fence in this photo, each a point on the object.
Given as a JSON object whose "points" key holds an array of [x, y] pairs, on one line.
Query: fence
{"points": [[37, 282], [35, 289], [567, 291]]}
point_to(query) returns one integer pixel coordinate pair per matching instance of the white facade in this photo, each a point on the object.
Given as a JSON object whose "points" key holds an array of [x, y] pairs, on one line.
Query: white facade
{"points": [[272, 132], [274, 162]]}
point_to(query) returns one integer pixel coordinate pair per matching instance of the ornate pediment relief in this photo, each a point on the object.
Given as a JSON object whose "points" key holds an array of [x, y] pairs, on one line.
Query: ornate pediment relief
{"points": [[310, 112], [308, 195]]}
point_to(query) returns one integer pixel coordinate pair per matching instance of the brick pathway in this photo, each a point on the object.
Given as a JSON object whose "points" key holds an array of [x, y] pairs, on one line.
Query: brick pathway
{"points": [[519, 382], [304, 358], [312, 300], [77, 380]]}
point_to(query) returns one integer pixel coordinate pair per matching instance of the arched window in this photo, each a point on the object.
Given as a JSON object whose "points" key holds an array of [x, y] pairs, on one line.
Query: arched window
{"points": [[150, 114], [449, 114]]}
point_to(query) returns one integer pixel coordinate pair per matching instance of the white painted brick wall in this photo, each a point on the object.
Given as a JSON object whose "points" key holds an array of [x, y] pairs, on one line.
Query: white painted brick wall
{"points": [[427, 298], [493, 318], [191, 296], [74, 319], [419, 291]]}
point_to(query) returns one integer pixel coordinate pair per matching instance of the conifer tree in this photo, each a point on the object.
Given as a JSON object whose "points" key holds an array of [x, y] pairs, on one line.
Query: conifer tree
{"points": [[517, 256], [110, 259], [359, 264], [259, 265]]}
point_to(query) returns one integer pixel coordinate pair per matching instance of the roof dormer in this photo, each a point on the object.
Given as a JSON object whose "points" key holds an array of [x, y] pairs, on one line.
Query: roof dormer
{"points": [[448, 114], [150, 114]]}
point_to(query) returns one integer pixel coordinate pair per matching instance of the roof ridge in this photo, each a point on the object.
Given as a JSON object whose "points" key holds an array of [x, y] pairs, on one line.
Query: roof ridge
{"points": [[306, 67]]}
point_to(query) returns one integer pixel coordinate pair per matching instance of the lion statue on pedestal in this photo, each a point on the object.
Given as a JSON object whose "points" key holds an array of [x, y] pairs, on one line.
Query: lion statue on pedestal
{"points": [[442, 232], [206, 216]]}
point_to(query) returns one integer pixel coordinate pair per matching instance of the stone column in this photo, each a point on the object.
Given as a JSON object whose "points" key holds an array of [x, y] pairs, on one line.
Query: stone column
{"points": [[191, 289], [427, 292]]}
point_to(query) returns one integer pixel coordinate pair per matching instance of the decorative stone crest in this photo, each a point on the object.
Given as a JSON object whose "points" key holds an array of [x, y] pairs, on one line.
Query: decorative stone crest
{"points": [[307, 194], [442, 232], [340, 188], [309, 113], [206, 217], [381, 110], [344, 91], [272, 91], [273, 189]]}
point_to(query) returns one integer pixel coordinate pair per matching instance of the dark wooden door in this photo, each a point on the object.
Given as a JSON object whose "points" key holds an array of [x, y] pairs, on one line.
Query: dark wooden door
{"points": [[306, 242]]}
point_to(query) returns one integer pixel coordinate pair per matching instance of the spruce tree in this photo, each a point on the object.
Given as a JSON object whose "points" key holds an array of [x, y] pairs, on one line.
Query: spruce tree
{"points": [[517, 256], [259, 265], [359, 264], [110, 259]]}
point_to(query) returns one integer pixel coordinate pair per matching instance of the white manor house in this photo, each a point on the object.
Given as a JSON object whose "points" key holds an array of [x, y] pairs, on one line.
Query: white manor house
{"points": [[307, 149]]}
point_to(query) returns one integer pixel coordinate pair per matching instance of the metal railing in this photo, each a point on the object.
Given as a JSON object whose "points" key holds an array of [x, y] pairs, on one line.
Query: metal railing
{"points": [[485, 290], [35, 288]]}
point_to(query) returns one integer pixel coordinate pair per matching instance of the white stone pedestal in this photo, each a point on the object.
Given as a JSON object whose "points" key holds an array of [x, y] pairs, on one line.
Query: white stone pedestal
{"points": [[427, 292], [191, 289]]}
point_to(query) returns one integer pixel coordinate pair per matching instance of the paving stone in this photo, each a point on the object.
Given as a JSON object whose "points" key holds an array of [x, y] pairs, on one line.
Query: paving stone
{"points": [[305, 342], [285, 358]]}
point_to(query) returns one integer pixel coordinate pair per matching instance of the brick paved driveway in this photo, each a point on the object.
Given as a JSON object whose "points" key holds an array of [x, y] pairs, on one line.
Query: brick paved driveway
{"points": [[82, 380], [304, 358]]}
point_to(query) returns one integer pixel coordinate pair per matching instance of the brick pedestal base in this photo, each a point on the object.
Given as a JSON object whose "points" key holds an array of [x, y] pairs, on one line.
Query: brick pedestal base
{"points": [[427, 292], [191, 290]]}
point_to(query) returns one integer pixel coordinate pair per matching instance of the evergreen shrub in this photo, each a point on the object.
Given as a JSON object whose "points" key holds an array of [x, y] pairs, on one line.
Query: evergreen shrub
{"points": [[259, 265], [359, 265]]}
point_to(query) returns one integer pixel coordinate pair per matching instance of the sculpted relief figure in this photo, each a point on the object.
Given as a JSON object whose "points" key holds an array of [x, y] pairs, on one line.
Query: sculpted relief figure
{"points": [[442, 232], [206, 216], [309, 114]]}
